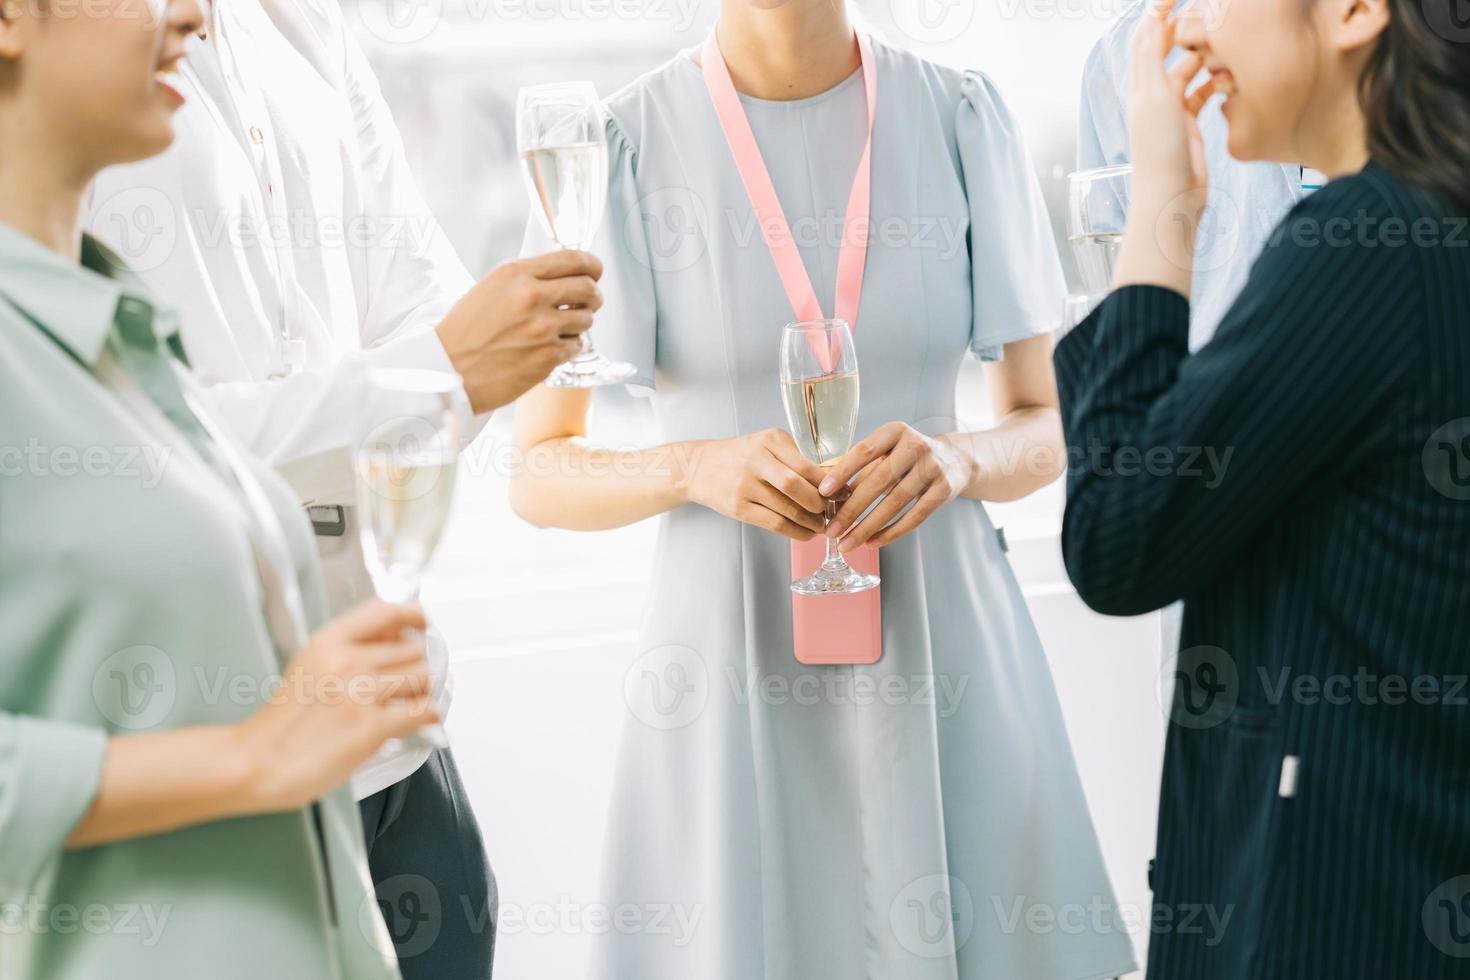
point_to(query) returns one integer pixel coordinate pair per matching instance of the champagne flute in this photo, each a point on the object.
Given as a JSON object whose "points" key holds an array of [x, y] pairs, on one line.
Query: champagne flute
{"points": [[1097, 216], [562, 141], [819, 384], [405, 489]]}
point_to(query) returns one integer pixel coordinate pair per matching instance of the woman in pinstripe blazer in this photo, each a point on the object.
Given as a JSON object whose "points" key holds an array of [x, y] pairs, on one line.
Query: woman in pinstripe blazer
{"points": [[1316, 796]]}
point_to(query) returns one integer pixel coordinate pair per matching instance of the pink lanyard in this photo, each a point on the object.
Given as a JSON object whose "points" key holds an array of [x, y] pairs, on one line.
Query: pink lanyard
{"points": [[852, 261]]}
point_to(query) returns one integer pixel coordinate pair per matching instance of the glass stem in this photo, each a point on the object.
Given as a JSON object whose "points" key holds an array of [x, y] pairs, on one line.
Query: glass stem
{"points": [[833, 557], [588, 351]]}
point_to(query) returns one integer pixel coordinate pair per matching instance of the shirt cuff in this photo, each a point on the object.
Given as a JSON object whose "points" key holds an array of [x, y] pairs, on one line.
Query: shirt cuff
{"points": [[49, 776]]}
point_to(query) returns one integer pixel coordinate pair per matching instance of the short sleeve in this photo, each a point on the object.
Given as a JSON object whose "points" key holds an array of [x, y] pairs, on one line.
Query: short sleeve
{"points": [[626, 327], [1019, 291]]}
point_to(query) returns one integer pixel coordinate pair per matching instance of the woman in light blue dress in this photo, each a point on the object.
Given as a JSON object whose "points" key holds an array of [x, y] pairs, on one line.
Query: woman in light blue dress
{"points": [[918, 818]]}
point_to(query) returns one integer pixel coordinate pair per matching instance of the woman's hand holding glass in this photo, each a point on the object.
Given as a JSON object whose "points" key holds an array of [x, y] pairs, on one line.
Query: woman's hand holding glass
{"points": [[358, 684], [762, 480], [895, 467]]}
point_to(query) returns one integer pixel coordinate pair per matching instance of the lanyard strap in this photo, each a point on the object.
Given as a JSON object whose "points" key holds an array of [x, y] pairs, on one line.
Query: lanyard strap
{"points": [[853, 259]]}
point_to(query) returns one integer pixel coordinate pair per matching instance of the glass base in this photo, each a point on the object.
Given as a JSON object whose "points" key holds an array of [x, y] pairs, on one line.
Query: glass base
{"points": [[590, 371], [835, 578]]}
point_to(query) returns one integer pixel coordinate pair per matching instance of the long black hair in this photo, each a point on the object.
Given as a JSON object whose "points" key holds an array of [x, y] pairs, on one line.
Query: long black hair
{"points": [[1415, 93]]}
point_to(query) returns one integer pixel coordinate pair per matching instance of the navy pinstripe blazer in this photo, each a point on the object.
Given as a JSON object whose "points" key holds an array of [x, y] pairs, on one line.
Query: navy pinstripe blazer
{"points": [[1303, 484]]}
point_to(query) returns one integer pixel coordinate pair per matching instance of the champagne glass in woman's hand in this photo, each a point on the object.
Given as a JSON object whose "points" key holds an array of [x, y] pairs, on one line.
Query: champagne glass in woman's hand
{"points": [[819, 383], [405, 489], [360, 683], [563, 145]]}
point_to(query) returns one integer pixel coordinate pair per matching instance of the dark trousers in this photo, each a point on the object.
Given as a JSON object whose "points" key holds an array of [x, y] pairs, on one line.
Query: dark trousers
{"points": [[433, 882]]}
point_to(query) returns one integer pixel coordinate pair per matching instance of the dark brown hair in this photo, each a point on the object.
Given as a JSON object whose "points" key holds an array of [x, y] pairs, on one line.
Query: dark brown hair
{"points": [[1415, 93]]}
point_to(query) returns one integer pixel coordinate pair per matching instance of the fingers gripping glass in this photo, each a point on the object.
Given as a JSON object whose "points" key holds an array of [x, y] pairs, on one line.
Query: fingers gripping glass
{"points": [[405, 489], [819, 383], [563, 146]]}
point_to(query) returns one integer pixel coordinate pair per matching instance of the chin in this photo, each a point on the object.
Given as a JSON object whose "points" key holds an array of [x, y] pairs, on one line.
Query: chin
{"points": [[147, 140], [1241, 146]]}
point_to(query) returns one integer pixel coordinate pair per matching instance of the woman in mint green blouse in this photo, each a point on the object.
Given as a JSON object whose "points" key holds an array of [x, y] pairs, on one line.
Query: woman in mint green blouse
{"points": [[167, 810]]}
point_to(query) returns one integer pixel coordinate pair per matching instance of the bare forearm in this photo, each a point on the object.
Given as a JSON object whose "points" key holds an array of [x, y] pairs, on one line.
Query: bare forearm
{"points": [[1158, 248], [1024, 452], [569, 484], [161, 782]]}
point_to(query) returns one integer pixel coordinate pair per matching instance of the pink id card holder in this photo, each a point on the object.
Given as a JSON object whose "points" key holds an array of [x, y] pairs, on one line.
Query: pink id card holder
{"points": [[838, 629]]}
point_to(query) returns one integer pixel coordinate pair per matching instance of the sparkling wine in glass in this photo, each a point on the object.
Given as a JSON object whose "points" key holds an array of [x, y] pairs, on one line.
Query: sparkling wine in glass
{"points": [[1097, 216], [405, 490], [819, 384], [563, 146]]}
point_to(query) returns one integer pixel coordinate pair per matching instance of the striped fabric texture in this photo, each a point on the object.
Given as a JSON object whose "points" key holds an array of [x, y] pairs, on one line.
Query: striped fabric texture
{"points": [[1303, 484]]}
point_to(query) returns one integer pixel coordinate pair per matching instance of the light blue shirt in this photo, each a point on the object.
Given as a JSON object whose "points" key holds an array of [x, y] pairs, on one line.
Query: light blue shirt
{"points": [[1247, 200]]}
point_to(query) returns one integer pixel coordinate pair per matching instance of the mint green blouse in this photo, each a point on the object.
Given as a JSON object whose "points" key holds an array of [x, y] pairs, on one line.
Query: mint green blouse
{"points": [[131, 601]]}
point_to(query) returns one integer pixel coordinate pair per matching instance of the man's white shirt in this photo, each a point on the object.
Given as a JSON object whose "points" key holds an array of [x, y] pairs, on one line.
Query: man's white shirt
{"points": [[285, 226]]}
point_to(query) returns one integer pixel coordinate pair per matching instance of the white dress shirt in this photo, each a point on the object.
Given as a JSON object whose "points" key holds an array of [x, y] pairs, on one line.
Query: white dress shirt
{"points": [[285, 225]]}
